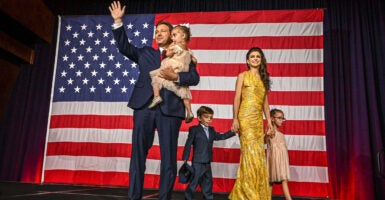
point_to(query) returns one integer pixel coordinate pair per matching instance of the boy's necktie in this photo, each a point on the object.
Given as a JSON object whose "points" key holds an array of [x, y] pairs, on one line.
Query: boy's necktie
{"points": [[206, 131]]}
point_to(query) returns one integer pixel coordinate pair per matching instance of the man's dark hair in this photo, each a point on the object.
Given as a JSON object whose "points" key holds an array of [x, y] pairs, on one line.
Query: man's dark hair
{"points": [[164, 23]]}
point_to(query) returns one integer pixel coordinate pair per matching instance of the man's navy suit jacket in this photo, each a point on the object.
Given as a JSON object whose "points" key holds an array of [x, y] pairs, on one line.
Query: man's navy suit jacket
{"points": [[203, 146], [148, 59]]}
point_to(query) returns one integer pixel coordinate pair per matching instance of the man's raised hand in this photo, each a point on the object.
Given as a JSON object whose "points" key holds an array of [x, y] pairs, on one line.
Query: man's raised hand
{"points": [[117, 11]]}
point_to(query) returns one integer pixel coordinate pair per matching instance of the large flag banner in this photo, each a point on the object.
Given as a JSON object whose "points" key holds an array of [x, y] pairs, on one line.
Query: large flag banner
{"points": [[90, 125]]}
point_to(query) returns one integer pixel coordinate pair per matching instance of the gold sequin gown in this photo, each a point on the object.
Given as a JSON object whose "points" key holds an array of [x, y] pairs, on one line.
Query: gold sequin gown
{"points": [[252, 177]]}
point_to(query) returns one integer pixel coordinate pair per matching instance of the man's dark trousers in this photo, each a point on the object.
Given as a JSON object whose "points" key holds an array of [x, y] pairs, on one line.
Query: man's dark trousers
{"points": [[168, 129]]}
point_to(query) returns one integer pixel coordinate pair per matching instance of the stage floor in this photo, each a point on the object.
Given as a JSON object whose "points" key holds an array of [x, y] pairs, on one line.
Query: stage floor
{"points": [[26, 191]]}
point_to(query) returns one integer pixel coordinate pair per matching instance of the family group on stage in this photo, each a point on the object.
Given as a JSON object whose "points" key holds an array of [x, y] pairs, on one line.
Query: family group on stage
{"points": [[161, 100]]}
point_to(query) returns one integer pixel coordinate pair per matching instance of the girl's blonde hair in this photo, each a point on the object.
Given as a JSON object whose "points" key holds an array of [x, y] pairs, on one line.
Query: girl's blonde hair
{"points": [[185, 30]]}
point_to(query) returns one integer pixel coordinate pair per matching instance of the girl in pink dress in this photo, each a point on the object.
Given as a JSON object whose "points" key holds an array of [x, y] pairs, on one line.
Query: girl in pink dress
{"points": [[277, 156]]}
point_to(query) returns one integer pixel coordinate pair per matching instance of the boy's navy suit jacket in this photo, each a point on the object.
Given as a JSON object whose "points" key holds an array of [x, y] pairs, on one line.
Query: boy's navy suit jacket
{"points": [[203, 146]]}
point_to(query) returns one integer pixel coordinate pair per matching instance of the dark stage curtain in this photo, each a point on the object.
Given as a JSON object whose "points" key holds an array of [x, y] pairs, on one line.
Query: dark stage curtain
{"points": [[354, 97], [354, 91], [25, 118]]}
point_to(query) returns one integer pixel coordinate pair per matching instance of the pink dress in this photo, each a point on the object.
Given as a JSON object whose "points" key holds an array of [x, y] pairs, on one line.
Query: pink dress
{"points": [[180, 63], [277, 158]]}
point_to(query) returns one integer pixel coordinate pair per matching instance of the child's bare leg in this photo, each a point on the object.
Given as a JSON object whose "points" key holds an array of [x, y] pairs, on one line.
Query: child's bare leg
{"points": [[157, 99], [187, 104], [285, 188], [190, 115], [155, 89]]}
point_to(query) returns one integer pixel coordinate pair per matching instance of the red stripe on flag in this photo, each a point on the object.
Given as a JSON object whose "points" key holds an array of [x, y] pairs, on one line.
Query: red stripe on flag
{"points": [[297, 188], [290, 127], [310, 127], [91, 121], [242, 17], [121, 179], [89, 149], [212, 97], [307, 127], [275, 69], [267, 42], [86, 177], [308, 158], [308, 98]]}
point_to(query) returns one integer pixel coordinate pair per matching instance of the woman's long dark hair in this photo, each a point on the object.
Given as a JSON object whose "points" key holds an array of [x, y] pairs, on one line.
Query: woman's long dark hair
{"points": [[262, 69]]}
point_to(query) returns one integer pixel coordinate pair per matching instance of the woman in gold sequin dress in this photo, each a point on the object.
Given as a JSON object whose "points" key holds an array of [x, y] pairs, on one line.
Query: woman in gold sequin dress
{"points": [[250, 102]]}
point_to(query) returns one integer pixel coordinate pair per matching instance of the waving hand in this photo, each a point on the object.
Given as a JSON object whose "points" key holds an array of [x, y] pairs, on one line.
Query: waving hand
{"points": [[117, 11]]}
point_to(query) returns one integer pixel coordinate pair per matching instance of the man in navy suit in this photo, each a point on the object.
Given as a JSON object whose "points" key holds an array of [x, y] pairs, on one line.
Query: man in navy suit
{"points": [[166, 118], [201, 137]]}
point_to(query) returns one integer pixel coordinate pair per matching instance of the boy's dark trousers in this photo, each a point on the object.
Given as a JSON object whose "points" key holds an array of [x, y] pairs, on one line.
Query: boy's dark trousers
{"points": [[202, 177]]}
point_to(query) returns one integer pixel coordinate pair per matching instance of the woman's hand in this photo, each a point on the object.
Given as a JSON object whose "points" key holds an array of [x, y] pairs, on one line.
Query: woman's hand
{"points": [[235, 126], [270, 132]]}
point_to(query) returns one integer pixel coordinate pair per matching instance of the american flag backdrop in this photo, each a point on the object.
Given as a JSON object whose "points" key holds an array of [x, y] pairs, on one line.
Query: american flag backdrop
{"points": [[90, 125]]}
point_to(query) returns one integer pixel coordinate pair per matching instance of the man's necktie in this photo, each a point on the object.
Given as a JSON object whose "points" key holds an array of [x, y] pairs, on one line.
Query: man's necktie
{"points": [[206, 131], [163, 54]]}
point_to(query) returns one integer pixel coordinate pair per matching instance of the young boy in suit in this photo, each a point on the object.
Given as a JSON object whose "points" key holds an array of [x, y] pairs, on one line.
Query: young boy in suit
{"points": [[202, 137]]}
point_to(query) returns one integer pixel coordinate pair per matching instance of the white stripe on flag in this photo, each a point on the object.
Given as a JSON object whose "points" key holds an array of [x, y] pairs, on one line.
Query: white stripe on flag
{"points": [[94, 108], [272, 55], [221, 111], [294, 142], [213, 83], [309, 174], [257, 29], [293, 112], [219, 170]]}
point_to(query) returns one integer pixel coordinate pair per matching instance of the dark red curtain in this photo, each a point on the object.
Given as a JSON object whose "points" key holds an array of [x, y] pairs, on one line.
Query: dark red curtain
{"points": [[24, 125], [354, 97]]}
